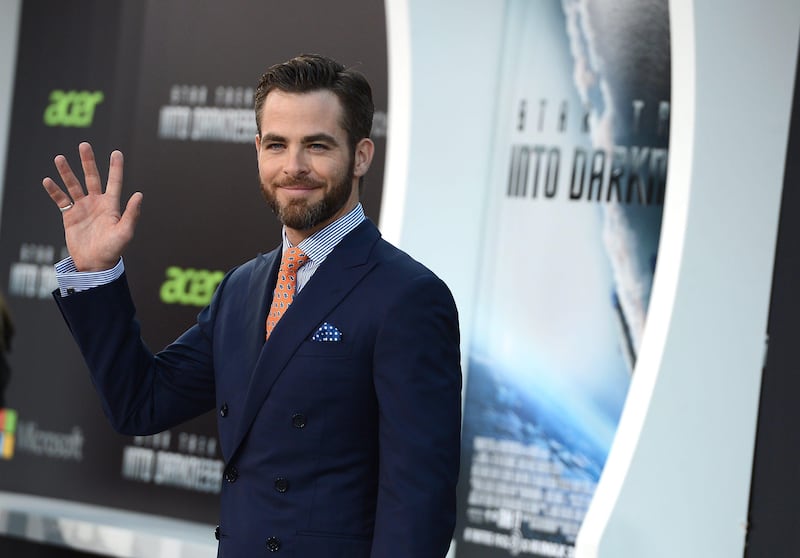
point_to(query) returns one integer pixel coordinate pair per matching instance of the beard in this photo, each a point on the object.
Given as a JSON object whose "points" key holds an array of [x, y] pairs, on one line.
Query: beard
{"points": [[302, 215]]}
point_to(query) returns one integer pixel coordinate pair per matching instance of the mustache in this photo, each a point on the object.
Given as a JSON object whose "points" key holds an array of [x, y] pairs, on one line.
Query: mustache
{"points": [[302, 181]]}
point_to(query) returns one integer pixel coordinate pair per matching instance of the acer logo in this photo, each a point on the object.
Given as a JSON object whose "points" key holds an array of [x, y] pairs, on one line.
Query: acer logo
{"points": [[72, 108], [189, 287]]}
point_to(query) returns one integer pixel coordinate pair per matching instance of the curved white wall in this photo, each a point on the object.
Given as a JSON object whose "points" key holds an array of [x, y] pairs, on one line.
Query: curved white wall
{"points": [[677, 481], [9, 30], [444, 60]]}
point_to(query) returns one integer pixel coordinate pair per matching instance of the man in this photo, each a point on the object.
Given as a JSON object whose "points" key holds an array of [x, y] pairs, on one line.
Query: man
{"points": [[339, 412]]}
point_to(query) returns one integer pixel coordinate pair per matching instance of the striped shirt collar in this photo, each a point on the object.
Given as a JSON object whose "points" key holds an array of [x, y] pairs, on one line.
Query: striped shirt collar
{"points": [[321, 243]]}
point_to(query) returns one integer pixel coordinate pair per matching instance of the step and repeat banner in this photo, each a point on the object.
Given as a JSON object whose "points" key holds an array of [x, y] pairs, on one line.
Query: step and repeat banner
{"points": [[574, 219], [170, 83]]}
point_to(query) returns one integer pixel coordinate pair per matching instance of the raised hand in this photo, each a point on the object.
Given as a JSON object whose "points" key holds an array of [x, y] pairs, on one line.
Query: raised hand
{"points": [[95, 231]]}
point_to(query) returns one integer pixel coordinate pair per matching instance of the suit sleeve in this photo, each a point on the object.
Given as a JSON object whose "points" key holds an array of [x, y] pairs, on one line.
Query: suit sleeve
{"points": [[141, 393], [417, 374]]}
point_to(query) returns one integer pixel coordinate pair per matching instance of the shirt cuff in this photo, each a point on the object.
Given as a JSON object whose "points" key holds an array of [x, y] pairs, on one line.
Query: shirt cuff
{"points": [[71, 281]]}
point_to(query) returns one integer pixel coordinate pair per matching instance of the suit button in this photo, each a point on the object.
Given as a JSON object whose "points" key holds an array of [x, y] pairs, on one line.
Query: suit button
{"points": [[299, 420], [231, 474], [281, 484], [273, 544], [216, 532], [223, 411]]}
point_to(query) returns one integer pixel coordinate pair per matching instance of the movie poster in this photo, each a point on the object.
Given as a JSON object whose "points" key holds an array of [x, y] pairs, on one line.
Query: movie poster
{"points": [[574, 218], [170, 83]]}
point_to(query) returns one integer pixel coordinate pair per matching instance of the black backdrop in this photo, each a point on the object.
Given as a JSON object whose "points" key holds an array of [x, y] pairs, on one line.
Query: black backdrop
{"points": [[774, 512], [154, 62]]}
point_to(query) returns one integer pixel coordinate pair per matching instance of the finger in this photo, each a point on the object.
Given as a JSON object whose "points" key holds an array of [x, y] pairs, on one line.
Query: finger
{"points": [[90, 174], [73, 185], [133, 210], [114, 186], [59, 197]]}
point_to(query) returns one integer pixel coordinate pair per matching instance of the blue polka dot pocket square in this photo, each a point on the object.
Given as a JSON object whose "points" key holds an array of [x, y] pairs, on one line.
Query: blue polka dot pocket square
{"points": [[327, 332]]}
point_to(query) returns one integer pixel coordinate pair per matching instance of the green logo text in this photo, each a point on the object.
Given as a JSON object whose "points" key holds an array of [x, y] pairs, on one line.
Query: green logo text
{"points": [[190, 287], [72, 108]]}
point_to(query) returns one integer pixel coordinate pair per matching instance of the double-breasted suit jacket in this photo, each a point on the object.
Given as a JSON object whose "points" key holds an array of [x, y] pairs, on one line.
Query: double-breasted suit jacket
{"points": [[343, 448]]}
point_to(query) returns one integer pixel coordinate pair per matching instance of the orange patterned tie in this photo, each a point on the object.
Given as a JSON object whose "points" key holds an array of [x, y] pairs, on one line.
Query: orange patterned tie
{"points": [[293, 259]]}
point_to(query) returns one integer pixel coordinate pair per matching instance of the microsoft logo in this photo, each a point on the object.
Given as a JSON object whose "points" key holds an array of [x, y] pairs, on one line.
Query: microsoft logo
{"points": [[8, 428]]}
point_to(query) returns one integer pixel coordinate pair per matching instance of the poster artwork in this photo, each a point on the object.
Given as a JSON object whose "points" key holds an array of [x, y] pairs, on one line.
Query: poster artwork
{"points": [[577, 194]]}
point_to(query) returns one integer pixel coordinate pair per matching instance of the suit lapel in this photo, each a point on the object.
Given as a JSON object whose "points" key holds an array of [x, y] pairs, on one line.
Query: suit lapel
{"points": [[338, 275], [259, 299]]}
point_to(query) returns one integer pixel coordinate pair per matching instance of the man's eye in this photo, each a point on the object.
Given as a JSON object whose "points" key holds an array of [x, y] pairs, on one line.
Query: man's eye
{"points": [[318, 147], [274, 146]]}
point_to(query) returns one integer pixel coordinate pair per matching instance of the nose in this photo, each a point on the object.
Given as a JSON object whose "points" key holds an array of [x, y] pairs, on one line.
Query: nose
{"points": [[296, 163]]}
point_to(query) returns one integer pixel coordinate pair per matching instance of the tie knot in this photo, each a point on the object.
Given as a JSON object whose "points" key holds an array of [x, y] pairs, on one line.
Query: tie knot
{"points": [[293, 259]]}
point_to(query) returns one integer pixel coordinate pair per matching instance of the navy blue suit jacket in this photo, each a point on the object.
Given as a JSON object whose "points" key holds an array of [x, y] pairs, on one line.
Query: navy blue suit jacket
{"points": [[340, 449]]}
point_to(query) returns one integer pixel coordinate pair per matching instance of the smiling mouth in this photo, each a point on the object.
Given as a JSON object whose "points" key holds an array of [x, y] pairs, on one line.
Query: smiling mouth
{"points": [[297, 191], [301, 184]]}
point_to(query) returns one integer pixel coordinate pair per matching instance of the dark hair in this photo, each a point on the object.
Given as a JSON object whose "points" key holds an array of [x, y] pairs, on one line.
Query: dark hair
{"points": [[313, 72]]}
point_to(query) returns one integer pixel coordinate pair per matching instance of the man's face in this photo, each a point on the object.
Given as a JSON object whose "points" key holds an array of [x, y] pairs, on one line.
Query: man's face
{"points": [[309, 176]]}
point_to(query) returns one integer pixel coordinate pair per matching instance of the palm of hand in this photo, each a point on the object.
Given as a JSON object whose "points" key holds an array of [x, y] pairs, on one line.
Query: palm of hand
{"points": [[96, 232]]}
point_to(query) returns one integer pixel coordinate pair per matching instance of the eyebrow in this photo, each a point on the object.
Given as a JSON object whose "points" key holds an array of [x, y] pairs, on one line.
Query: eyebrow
{"points": [[313, 138], [324, 138]]}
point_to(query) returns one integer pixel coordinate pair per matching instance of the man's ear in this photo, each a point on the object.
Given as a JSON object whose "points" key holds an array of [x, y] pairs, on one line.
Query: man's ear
{"points": [[365, 149], [258, 143]]}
